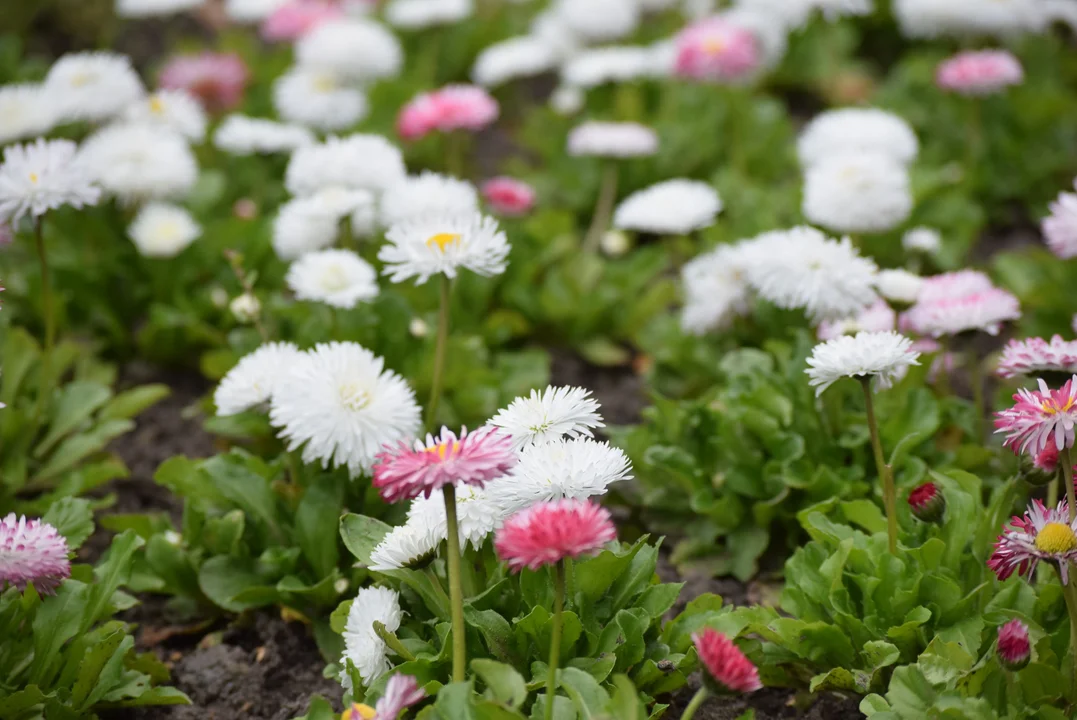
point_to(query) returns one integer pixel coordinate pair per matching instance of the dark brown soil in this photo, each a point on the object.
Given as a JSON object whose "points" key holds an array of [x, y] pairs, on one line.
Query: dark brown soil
{"points": [[618, 389], [768, 704]]}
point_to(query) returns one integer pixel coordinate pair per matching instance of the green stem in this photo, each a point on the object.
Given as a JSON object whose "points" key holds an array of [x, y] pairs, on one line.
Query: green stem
{"points": [[1070, 593], [455, 154], [976, 378], [697, 701], [887, 477], [1067, 473], [607, 196], [555, 637], [976, 138], [1052, 491], [456, 592], [49, 310], [439, 353]]}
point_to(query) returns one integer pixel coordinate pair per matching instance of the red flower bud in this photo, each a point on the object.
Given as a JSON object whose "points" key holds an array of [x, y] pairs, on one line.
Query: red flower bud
{"points": [[927, 502], [1013, 645]]}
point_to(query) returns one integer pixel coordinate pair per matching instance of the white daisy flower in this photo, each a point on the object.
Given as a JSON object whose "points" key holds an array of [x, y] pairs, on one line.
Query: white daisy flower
{"points": [[551, 414], [245, 308], [598, 20], [362, 646], [579, 468], [406, 546], [93, 86], [616, 140], [548, 28], [427, 246], [364, 219], [477, 515], [137, 162], [342, 406], [567, 100], [251, 382], [243, 135], [612, 64], [317, 99], [715, 290], [354, 48], [802, 268], [922, 239], [899, 285], [26, 110], [998, 18], [154, 8], [342, 201], [851, 131], [251, 11], [883, 355], [162, 230], [673, 207], [420, 14], [339, 278], [175, 110], [363, 162], [427, 195], [861, 193], [40, 176], [877, 318], [517, 57], [303, 225]]}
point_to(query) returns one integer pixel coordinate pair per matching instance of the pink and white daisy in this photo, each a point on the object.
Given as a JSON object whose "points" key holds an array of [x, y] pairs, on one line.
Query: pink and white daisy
{"points": [[725, 663], [1041, 534], [982, 311], [979, 73], [1040, 418], [453, 107], [717, 49], [1035, 355], [1014, 649], [216, 79], [404, 473], [546, 533], [32, 552], [295, 19], [1060, 227], [878, 317], [401, 692], [508, 196], [953, 285]]}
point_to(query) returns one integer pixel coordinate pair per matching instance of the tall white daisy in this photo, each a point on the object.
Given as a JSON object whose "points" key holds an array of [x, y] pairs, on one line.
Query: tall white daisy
{"points": [[251, 382], [885, 356], [138, 162], [318, 99], [251, 11], [243, 135], [355, 48], [362, 645], [673, 207], [551, 414], [162, 230], [477, 515], [861, 193], [41, 176], [93, 86], [26, 110], [612, 64], [342, 406], [175, 110], [427, 246], [362, 162], [425, 195], [716, 290], [339, 278]]}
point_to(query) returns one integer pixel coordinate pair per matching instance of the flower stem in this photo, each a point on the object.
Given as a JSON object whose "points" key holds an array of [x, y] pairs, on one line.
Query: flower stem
{"points": [[1070, 593], [600, 221], [885, 474], [1052, 491], [456, 592], [555, 637], [697, 700], [49, 310], [455, 153], [1067, 474], [439, 353], [976, 379]]}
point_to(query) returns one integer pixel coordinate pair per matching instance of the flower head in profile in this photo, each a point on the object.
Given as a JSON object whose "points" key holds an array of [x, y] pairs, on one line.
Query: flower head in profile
{"points": [[427, 246], [948, 286], [354, 48], [879, 317], [546, 533], [26, 110], [1042, 533], [883, 355], [41, 176], [923, 240], [32, 552], [319, 99], [176, 110], [454, 107], [981, 72], [716, 289], [673, 207], [612, 140], [139, 162], [294, 19], [725, 663], [218, 80], [854, 130], [550, 414], [404, 473], [1040, 418], [339, 278], [152, 8], [518, 57], [243, 135], [977, 312], [252, 381], [419, 14], [1060, 227], [717, 49], [508, 196], [427, 194], [1014, 648], [362, 644], [1036, 355], [359, 161]]}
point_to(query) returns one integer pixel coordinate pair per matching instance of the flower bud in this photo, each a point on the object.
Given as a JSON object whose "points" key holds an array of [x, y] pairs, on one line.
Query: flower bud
{"points": [[927, 502], [246, 308], [615, 243], [1014, 649]]}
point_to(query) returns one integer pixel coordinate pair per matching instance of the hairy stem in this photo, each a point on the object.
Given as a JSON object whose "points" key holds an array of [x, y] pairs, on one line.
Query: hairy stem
{"points": [[600, 221], [555, 639], [885, 474], [456, 592], [49, 310], [697, 700], [439, 354]]}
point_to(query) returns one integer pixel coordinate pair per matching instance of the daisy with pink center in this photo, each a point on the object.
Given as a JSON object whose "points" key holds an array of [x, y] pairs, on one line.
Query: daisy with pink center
{"points": [[216, 79], [979, 73], [725, 669], [717, 49], [508, 196], [32, 552], [1033, 356], [404, 473], [548, 534], [453, 107], [295, 19]]}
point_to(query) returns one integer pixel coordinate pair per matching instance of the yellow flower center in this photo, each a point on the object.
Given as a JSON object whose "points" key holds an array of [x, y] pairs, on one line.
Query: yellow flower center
{"points": [[714, 45], [325, 83], [157, 106], [34, 178], [1051, 408], [1056, 538], [358, 712], [334, 279], [353, 396], [80, 79], [444, 449], [441, 240]]}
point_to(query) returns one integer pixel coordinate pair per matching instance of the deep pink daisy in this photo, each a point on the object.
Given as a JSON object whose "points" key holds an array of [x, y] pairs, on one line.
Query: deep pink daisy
{"points": [[546, 533], [508, 196], [1014, 649], [404, 473], [979, 73], [1035, 355], [725, 663], [1041, 534], [216, 79], [1040, 418], [453, 107], [32, 553], [717, 49]]}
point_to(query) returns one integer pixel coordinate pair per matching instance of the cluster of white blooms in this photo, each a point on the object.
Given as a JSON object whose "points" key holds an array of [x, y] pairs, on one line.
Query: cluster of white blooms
{"points": [[972, 18]]}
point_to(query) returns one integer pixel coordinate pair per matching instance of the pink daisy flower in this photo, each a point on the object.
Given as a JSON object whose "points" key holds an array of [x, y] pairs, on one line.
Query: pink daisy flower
{"points": [[1035, 355], [508, 196], [453, 107], [1040, 418], [725, 663], [717, 49], [401, 692], [1014, 649], [32, 553], [216, 79], [982, 311], [403, 473], [546, 533], [1060, 227], [295, 19], [953, 285], [979, 73], [879, 317], [1042, 534]]}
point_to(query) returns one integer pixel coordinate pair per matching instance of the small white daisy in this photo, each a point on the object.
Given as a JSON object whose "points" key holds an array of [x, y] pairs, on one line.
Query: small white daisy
{"points": [[339, 278], [155, 8], [598, 20], [883, 355], [673, 207], [245, 308], [251, 382], [363, 162], [517, 57], [612, 64], [26, 110], [426, 195], [715, 290], [362, 645], [251, 11], [962, 18], [405, 546], [317, 99], [551, 414], [922, 239], [242, 135], [567, 100], [354, 48], [616, 140], [176, 110], [93, 86], [850, 131], [427, 246], [137, 162], [162, 230], [421, 14], [477, 515], [303, 225], [899, 285], [41, 176], [861, 193], [342, 406]]}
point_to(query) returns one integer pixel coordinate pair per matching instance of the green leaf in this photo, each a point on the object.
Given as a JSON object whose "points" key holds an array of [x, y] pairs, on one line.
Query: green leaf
{"points": [[78, 447], [584, 691], [503, 682], [133, 402], [57, 620], [495, 630], [245, 488], [873, 704], [72, 518], [338, 620], [361, 534], [20, 701], [74, 405], [233, 584], [454, 702], [109, 575], [320, 709], [100, 668], [594, 577], [316, 524]]}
